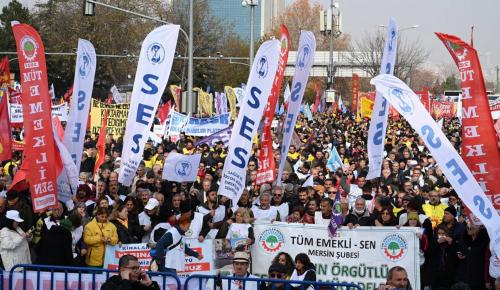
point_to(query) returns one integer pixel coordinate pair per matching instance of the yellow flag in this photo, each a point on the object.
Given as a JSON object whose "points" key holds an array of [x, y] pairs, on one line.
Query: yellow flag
{"points": [[231, 96], [366, 107]]}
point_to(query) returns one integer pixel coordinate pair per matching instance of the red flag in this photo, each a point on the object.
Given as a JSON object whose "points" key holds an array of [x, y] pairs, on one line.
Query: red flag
{"points": [[101, 143], [425, 99], [58, 127], [163, 112], [67, 95], [5, 128], [266, 172], [316, 101], [39, 151], [479, 140], [355, 95]]}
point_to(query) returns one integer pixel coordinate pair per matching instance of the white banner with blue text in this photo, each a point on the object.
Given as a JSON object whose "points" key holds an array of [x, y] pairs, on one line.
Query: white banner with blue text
{"points": [[378, 123], [305, 57], [454, 168], [153, 71], [245, 127]]}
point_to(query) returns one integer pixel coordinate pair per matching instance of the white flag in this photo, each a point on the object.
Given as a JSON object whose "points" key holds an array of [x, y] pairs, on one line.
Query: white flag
{"points": [[74, 134], [286, 95], [305, 56], [309, 181], [153, 71], [378, 123], [180, 167], [454, 168], [245, 127], [116, 95], [67, 182]]}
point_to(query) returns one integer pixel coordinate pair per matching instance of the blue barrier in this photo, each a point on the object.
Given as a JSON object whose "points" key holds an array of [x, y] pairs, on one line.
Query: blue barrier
{"points": [[80, 271], [214, 280]]}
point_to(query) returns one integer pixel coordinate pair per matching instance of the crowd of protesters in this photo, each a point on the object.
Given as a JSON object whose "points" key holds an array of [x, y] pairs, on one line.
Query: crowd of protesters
{"points": [[412, 191]]}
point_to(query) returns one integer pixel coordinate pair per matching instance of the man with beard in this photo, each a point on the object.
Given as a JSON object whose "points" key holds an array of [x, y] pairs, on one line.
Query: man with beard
{"points": [[280, 203], [359, 215], [434, 209], [214, 216], [265, 212]]}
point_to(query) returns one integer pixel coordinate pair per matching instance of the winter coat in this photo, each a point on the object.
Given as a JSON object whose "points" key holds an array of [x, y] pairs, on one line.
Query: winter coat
{"points": [[125, 235], [363, 220], [14, 248], [55, 247], [92, 236]]}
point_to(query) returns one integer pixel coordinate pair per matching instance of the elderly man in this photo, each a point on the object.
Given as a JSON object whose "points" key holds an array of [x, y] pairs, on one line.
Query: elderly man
{"points": [[397, 279], [435, 208], [265, 213], [130, 277], [241, 263], [359, 215]]}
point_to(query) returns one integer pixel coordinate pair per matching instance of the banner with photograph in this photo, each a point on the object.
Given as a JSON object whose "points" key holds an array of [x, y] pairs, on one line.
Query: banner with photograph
{"points": [[362, 256]]}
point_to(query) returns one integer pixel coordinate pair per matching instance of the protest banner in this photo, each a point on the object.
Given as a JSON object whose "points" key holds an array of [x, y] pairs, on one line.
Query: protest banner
{"points": [[454, 168], [206, 126], [117, 117], [366, 107], [221, 136], [153, 70], [176, 123], [17, 116], [40, 149], [355, 91], [378, 123], [266, 170], [495, 111], [251, 109], [305, 58], [361, 256], [117, 96], [442, 109], [142, 252], [231, 97], [181, 168]]}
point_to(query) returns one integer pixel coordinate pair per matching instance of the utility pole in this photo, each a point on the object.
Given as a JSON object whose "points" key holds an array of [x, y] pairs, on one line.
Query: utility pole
{"points": [[497, 87], [331, 24]]}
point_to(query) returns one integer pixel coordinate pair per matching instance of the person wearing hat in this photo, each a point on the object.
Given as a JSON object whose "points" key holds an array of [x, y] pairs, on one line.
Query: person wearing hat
{"points": [[171, 249], [150, 212], [16, 200], [14, 247], [241, 263]]}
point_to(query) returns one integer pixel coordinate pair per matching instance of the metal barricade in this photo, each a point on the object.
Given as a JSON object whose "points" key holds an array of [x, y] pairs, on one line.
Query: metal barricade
{"points": [[60, 274], [212, 281]]}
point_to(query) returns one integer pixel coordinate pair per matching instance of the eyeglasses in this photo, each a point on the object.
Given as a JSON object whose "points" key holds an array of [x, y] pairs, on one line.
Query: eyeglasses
{"points": [[251, 165], [276, 275]]}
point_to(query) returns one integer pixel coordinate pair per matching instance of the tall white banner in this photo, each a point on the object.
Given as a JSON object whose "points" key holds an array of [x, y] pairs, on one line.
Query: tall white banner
{"points": [[252, 106], [305, 57], [378, 124], [153, 70], [76, 126], [409, 106]]}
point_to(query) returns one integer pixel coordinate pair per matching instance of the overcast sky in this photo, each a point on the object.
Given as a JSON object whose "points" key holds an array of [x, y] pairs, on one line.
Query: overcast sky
{"points": [[449, 16]]}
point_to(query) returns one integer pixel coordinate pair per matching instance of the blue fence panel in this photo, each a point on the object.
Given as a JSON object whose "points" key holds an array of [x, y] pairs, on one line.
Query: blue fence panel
{"points": [[212, 281], [79, 271]]}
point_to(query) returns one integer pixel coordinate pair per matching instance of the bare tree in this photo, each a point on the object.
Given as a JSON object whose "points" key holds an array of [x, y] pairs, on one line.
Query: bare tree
{"points": [[367, 54]]}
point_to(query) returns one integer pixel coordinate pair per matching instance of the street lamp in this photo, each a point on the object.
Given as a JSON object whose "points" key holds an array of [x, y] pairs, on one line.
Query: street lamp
{"points": [[252, 4], [330, 22]]}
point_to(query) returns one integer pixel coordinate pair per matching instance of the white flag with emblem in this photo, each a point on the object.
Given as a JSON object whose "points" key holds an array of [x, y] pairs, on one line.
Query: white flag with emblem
{"points": [[153, 71], [378, 123], [454, 168], [180, 167]]}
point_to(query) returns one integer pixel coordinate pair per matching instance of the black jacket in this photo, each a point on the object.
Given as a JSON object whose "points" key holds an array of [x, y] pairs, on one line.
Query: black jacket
{"points": [[363, 220], [117, 283], [55, 247], [126, 236]]}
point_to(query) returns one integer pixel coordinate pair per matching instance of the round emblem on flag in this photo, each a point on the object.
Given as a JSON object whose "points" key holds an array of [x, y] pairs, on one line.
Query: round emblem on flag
{"points": [[303, 57], [262, 67], [183, 168], [394, 247], [156, 53], [29, 48], [271, 240], [404, 101], [85, 65]]}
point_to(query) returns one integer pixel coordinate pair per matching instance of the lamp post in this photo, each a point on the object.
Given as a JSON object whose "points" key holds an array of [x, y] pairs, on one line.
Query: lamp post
{"points": [[331, 24], [252, 4]]}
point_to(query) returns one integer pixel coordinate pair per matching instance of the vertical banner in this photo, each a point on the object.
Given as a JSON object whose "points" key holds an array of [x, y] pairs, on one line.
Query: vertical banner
{"points": [[153, 70], [479, 141], [378, 123], [454, 168], [76, 127], [39, 151], [245, 127], [231, 97], [266, 172], [176, 93], [425, 99], [5, 128], [305, 56], [355, 93]]}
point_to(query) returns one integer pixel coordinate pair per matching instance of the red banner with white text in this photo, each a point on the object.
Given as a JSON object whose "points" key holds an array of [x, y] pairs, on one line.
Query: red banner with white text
{"points": [[442, 109], [479, 141], [425, 99], [355, 91], [266, 172], [5, 129], [37, 110]]}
